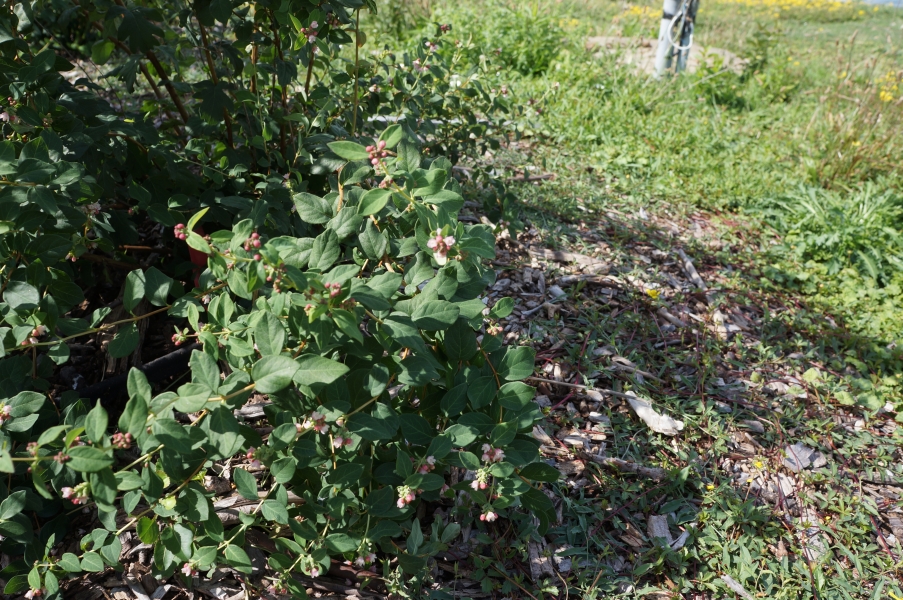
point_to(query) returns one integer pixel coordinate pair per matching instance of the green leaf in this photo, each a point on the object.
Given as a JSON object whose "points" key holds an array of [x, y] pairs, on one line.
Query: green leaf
{"points": [[174, 435], [325, 251], [408, 156], [13, 505], [481, 391], [283, 469], [128, 480], [193, 397], [369, 428], [134, 290], [156, 287], [392, 134], [245, 483], [25, 403], [374, 201], [540, 471], [373, 242], [269, 334], [502, 308], [274, 373], [460, 341], [21, 296], [515, 395], [204, 370], [436, 315], [134, 417], [96, 423], [92, 562], [88, 459], [312, 209], [70, 563], [454, 401], [517, 363], [238, 559], [51, 435], [342, 542], [147, 529], [313, 369], [124, 342], [416, 429], [349, 150]]}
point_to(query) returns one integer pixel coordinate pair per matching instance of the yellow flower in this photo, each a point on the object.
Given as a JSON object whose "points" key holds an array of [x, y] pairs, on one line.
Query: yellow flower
{"points": [[885, 96], [654, 294], [749, 480], [759, 464], [710, 487], [857, 143]]}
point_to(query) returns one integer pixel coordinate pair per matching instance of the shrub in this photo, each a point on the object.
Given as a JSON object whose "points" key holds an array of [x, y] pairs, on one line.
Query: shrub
{"points": [[317, 261]]}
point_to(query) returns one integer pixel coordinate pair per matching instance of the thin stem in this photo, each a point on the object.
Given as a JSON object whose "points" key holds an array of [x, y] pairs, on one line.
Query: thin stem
{"points": [[357, 46], [213, 77]]}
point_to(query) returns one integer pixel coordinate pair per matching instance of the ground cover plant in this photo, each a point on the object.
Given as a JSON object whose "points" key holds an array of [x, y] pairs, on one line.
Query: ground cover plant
{"points": [[239, 188], [771, 175]]}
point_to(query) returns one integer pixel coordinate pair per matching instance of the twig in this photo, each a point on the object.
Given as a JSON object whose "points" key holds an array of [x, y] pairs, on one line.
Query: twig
{"points": [[580, 387], [690, 270], [653, 473]]}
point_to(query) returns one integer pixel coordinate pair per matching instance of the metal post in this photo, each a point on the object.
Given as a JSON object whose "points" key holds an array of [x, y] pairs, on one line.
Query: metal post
{"points": [[664, 51]]}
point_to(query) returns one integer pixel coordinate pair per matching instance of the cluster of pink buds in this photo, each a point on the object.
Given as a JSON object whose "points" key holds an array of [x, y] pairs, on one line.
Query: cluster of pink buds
{"points": [[365, 560], [440, 245], [428, 465], [374, 89], [333, 21], [339, 441], [180, 232], [91, 209], [34, 593], [62, 458], [5, 411], [480, 480], [316, 421], [386, 182], [334, 289], [78, 494], [32, 448], [251, 455], [431, 46], [123, 441], [188, 570], [405, 496], [252, 242], [180, 336], [445, 27], [35, 336], [274, 276], [377, 152], [491, 454], [277, 588], [310, 32], [489, 516], [420, 68]]}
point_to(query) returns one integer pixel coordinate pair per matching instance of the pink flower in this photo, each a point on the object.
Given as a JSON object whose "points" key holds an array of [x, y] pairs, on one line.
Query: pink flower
{"points": [[315, 572], [475, 484], [314, 24], [34, 593], [188, 570], [338, 442], [489, 517], [440, 246], [400, 503]]}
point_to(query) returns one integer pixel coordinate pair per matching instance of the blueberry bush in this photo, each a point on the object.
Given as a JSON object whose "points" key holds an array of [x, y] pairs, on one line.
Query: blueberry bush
{"points": [[316, 265]]}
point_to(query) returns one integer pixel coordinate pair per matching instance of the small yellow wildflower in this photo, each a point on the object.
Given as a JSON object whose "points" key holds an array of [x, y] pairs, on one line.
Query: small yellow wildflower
{"points": [[861, 12], [710, 487], [759, 464], [885, 96], [857, 143], [749, 480], [654, 294]]}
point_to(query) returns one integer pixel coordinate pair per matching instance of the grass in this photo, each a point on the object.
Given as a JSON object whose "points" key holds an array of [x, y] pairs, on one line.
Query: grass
{"points": [[782, 181]]}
